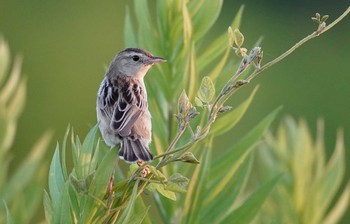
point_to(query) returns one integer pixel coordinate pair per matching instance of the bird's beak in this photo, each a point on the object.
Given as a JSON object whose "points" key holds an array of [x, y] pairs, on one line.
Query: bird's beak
{"points": [[154, 60]]}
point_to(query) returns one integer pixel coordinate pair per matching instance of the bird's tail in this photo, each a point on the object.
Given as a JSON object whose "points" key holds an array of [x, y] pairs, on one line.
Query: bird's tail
{"points": [[134, 150]]}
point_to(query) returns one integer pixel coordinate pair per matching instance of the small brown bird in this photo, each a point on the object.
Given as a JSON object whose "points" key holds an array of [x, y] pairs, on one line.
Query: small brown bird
{"points": [[122, 107]]}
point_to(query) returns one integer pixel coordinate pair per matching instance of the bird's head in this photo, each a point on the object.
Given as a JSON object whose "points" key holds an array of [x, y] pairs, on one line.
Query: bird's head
{"points": [[133, 62]]}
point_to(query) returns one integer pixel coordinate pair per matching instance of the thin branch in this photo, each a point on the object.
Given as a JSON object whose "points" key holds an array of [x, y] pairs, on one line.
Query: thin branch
{"points": [[297, 45]]}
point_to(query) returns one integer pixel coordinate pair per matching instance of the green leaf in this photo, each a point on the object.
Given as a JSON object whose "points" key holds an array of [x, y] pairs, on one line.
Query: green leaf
{"points": [[11, 85], [64, 214], [206, 90], [127, 213], [216, 49], [198, 102], [48, 207], [139, 216], [216, 209], [144, 24], [318, 16], [340, 207], [16, 103], [196, 192], [236, 155], [226, 122], [4, 59], [166, 193], [250, 207], [158, 175], [191, 72], [102, 175], [187, 26], [326, 187], [64, 149], [9, 219], [29, 167], [56, 182], [140, 208], [177, 183], [207, 14], [87, 152], [74, 201], [238, 38], [31, 197], [218, 69], [324, 18]]}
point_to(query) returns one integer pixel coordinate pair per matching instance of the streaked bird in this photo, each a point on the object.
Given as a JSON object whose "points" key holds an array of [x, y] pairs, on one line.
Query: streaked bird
{"points": [[122, 107]]}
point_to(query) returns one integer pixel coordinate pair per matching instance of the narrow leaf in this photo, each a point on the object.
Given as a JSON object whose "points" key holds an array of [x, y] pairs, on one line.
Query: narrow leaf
{"points": [[9, 219], [56, 180], [28, 168], [64, 149], [4, 59], [206, 16], [250, 207], [218, 46], [48, 207], [12, 82], [139, 216], [340, 208], [229, 120], [226, 199], [234, 154], [196, 192], [127, 213], [87, 151]]}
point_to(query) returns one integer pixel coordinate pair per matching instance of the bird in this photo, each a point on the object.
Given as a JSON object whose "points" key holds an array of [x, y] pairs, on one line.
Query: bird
{"points": [[122, 106]]}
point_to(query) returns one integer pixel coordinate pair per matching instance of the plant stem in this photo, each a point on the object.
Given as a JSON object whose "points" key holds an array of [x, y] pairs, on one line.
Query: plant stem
{"points": [[232, 87], [172, 145], [297, 45]]}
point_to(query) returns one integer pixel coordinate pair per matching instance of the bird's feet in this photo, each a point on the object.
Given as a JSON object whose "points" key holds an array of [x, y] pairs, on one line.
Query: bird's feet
{"points": [[145, 170]]}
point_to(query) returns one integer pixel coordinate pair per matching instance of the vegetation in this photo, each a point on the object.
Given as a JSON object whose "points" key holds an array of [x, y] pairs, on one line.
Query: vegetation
{"points": [[190, 181]]}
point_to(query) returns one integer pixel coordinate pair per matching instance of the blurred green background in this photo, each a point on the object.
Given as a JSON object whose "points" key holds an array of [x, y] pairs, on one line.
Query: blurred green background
{"points": [[66, 46]]}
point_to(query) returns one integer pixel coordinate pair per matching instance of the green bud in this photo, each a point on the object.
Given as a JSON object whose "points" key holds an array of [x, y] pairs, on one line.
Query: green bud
{"points": [[239, 38], [183, 103], [188, 157]]}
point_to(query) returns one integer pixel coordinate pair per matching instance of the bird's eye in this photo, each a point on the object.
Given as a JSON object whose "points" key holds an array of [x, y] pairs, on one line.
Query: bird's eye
{"points": [[135, 58]]}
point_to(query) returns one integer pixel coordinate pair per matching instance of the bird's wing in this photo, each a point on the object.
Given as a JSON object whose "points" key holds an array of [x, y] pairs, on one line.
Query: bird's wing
{"points": [[122, 105], [130, 105], [106, 99]]}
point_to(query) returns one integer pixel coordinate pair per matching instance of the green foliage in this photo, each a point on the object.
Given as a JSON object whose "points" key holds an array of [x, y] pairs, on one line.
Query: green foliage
{"points": [[309, 183], [20, 192], [194, 85], [77, 196], [178, 35]]}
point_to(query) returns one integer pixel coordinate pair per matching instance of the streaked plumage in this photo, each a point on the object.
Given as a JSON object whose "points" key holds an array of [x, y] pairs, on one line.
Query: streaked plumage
{"points": [[122, 108]]}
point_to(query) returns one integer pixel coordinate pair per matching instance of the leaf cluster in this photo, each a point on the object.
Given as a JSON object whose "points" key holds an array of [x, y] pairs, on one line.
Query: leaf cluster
{"points": [[307, 190], [20, 192]]}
